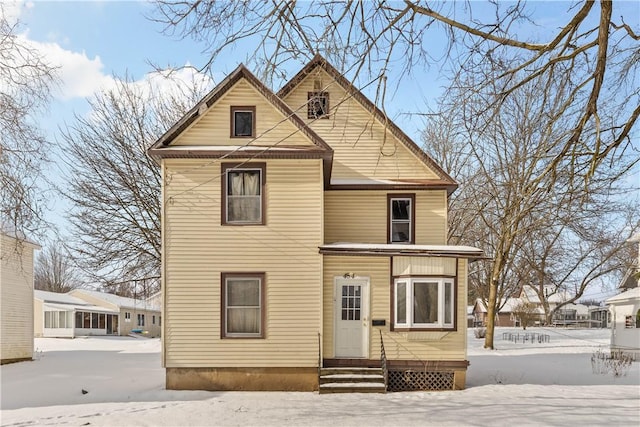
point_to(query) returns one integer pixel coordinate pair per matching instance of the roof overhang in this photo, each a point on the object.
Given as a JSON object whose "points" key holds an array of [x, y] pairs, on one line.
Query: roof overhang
{"points": [[75, 307], [372, 249], [393, 185]]}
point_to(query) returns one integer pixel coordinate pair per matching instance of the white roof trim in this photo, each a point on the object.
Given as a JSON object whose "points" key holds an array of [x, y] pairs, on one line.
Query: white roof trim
{"points": [[73, 307], [631, 294]]}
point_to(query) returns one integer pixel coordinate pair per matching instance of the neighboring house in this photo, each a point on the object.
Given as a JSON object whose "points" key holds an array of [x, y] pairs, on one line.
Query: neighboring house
{"points": [[16, 297], [625, 323], [134, 315], [600, 317], [505, 316], [299, 229], [58, 315], [572, 315], [554, 297], [625, 312], [470, 317]]}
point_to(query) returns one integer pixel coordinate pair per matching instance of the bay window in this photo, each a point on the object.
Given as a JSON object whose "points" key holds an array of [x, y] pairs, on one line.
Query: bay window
{"points": [[424, 303]]}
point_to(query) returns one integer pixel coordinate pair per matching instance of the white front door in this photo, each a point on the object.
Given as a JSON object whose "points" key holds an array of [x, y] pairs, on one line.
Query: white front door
{"points": [[351, 316]]}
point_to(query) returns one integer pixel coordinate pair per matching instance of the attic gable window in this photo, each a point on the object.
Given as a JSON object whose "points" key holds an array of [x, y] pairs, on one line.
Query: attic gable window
{"points": [[243, 122], [317, 105]]}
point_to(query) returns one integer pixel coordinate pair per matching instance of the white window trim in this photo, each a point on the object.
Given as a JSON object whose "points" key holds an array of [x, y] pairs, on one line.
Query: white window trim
{"points": [[440, 324], [400, 221]]}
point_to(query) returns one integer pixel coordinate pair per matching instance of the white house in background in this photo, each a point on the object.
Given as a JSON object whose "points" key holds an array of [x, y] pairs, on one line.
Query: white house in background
{"points": [[59, 315], [134, 315], [16, 298], [625, 311], [625, 325]]}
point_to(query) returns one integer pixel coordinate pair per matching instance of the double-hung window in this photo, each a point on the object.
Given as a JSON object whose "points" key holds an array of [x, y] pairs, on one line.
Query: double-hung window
{"points": [[243, 122], [243, 193], [401, 213], [424, 303], [243, 296]]}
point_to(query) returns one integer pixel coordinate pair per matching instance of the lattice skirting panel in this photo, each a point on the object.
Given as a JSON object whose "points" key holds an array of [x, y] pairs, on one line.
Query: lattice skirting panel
{"points": [[408, 380]]}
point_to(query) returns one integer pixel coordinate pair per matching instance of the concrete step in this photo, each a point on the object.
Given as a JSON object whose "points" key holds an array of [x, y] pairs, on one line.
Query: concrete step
{"points": [[352, 380], [356, 387]]}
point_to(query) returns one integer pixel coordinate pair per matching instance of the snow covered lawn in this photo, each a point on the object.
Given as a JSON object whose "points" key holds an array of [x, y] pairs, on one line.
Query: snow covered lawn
{"points": [[519, 383]]}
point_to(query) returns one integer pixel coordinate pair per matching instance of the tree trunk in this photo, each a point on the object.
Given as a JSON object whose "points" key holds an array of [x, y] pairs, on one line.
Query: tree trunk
{"points": [[491, 313]]}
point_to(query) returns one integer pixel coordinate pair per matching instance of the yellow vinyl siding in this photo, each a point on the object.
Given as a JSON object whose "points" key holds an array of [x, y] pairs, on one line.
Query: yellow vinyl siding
{"points": [[361, 216], [197, 249], [16, 299], [363, 148], [214, 127], [38, 318], [398, 345]]}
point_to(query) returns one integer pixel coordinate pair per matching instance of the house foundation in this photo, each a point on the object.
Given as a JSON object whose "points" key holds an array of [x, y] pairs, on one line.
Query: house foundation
{"points": [[242, 379]]}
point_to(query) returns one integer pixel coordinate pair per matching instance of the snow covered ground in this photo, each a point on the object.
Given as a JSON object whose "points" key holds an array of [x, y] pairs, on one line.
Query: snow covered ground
{"points": [[519, 383]]}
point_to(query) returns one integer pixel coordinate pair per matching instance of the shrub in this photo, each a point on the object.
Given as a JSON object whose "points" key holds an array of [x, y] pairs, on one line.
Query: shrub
{"points": [[480, 332], [616, 363]]}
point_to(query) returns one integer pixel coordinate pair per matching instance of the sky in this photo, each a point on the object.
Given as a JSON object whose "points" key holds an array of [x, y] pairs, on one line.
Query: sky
{"points": [[94, 42], [523, 383]]}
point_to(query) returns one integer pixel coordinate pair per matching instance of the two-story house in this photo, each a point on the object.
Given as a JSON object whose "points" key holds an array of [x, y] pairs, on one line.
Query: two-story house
{"points": [[304, 230]]}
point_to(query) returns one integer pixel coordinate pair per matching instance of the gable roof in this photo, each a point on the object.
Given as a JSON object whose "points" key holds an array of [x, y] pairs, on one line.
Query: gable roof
{"points": [[625, 297], [241, 72], [121, 302], [161, 148], [319, 61], [55, 297]]}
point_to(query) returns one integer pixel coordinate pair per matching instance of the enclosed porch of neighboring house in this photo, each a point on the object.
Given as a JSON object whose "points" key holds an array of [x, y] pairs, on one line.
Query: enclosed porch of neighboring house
{"points": [[394, 317], [64, 316]]}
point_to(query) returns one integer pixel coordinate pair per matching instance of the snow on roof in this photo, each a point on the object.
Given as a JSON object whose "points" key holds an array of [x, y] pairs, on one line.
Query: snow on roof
{"points": [[235, 148], [404, 249], [553, 295], [631, 294], [508, 305], [75, 307], [58, 298], [117, 300]]}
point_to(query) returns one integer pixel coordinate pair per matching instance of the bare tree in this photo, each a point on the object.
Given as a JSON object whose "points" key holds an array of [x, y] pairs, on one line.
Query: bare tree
{"points": [[54, 270], [528, 215], [526, 312], [113, 185], [596, 49], [25, 83]]}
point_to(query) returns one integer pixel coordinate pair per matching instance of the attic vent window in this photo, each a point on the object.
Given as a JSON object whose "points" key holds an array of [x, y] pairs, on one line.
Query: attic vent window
{"points": [[318, 105], [243, 122]]}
